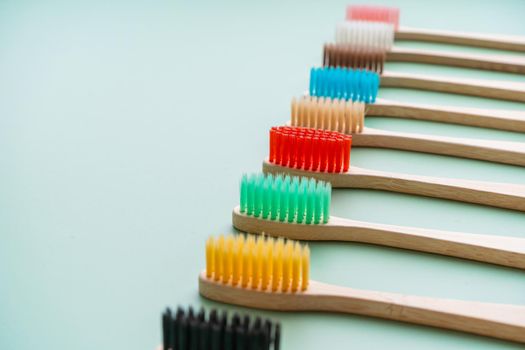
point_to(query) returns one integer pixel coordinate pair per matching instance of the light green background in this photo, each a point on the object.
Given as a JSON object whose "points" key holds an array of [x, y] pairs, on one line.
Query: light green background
{"points": [[125, 126]]}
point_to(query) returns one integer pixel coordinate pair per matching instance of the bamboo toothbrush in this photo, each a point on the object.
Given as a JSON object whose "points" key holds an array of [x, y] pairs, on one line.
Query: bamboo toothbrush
{"points": [[390, 15], [299, 208], [344, 85], [273, 274], [325, 155], [497, 119], [381, 37], [504, 90], [187, 330]]}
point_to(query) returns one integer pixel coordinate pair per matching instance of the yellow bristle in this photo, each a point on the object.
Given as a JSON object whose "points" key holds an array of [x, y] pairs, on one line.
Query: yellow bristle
{"points": [[305, 267], [257, 262], [287, 265], [210, 249], [246, 265], [237, 260], [227, 259], [219, 251], [267, 264], [277, 264], [296, 269]]}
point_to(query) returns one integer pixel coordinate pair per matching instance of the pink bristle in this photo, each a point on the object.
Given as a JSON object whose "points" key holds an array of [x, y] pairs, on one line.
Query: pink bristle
{"points": [[373, 14]]}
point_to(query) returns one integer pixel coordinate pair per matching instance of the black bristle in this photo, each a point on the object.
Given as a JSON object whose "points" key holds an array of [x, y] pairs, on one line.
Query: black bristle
{"points": [[194, 331], [267, 334], [228, 338], [182, 334], [215, 337], [214, 318], [205, 336], [201, 316], [180, 312], [257, 324], [174, 336], [166, 329], [240, 338], [191, 314], [236, 320], [246, 324], [277, 337]]}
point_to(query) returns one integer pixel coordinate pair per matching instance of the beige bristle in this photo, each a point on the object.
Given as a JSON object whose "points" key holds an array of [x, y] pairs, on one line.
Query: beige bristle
{"points": [[262, 263], [328, 114], [305, 267], [210, 250]]}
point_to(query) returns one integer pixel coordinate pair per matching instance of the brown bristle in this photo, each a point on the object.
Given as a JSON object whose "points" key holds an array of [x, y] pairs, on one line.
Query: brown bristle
{"points": [[349, 56]]}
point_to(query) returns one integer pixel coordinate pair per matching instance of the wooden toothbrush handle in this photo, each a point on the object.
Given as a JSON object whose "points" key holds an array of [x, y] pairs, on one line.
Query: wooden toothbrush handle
{"points": [[486, 62], [495, 119], [500, 250], [500, 42], [504, 90], [501, 195], [505, 251], [488, 150], [501, 321], [493, 320]]}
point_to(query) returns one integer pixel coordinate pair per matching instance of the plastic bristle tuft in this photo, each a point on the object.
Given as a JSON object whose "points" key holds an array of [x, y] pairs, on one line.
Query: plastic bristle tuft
{"points": [[350, 56], [373, 14], [307, 201], [370, 35], [344, 83], [185, 332], [310, 149], [324, 113], [278, 265]]}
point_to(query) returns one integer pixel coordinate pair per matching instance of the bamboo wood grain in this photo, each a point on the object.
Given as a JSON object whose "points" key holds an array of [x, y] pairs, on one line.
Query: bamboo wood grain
{"points": [[506, 251], [491, 41], [503, 90], [488, 150], [501, 195], [486, 62], [495, 119], [494, 320]]}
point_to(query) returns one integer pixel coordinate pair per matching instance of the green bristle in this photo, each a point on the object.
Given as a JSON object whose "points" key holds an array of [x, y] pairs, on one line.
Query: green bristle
{"points": [[319, 201], [244, 193], [250, 191], [258, 199], [310, 201], [276, 197], [292, 199], [326, 202], [301, 200], [267, 197], [283, 204]]}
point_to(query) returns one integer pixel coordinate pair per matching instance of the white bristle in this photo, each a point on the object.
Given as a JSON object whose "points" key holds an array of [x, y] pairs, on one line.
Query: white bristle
{"points": [[328, 114], [371, 35]]}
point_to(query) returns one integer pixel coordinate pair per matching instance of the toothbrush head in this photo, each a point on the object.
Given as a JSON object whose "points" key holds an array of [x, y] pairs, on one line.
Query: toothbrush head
{"points": [[370, 13]]}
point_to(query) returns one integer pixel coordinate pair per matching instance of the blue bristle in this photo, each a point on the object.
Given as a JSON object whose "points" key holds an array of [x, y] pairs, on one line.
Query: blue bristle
{"points": [[344, 83]]}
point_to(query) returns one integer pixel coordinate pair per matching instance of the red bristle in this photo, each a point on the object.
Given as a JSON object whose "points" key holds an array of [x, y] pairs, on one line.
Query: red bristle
{"points": [[272, 145], [347, 146], [310, 149]]}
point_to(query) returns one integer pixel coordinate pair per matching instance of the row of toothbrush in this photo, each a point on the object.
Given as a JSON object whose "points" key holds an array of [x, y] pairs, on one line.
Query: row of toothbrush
{"points": [[290, 200]]}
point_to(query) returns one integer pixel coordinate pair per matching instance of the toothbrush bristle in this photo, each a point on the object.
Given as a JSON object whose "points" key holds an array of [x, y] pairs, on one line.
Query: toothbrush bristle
{"points": [[344, 83], [373, 14], [186, 330], [285, 198], [350, 56], [310, 149], [262, 263], [372, 35], [346, 117]]}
